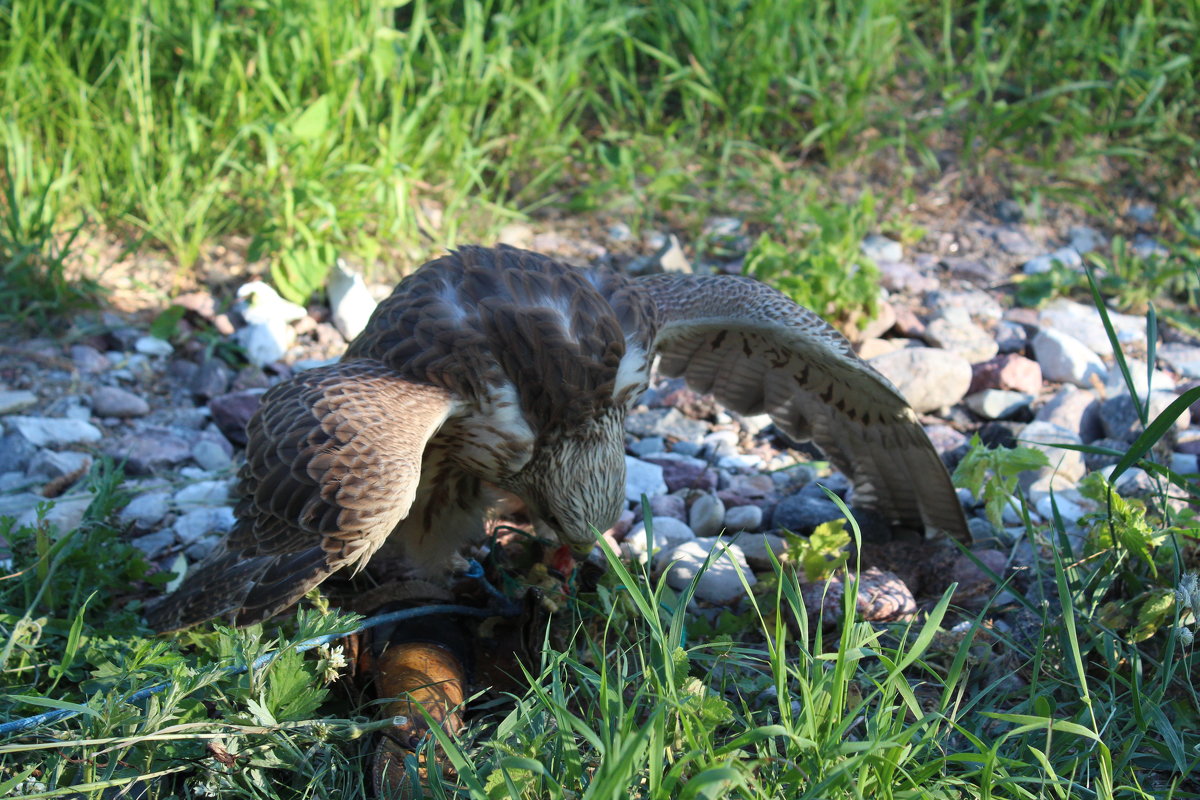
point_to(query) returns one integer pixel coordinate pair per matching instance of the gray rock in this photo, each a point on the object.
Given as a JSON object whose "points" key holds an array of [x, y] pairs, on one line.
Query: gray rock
{"points": [[1044, 436], [880, 248], [1183, 358], [953, 330], [1085, 239], [1098, 461], [210, 380], [52, 431], [648, 446], [1011, 337], [1067, 256], [1149, 247], [202, 547], [684, 472], [706, 515], [232, 411], [979, 304], [146, 510], [199, 521], [801, 513], [758, 547], [1121, 421], [743, 518], [64, 516], [111, 401], [742, 462], [13, 401], [1158, 380], [619, 232], [928, 378], [150, 449], [1084, 323], [664, 505], [665, 422], [900, 276], [15, 452], [49, 464], [999, 403], [668, 532], [1185, 463], [153, 346], [204, 493], [153, 544], [17, 505], [1074, 409], [726, 577], [722, 443], [89, 360], [1143, 213], [210, 456], [642, 478], [1064, 358]]}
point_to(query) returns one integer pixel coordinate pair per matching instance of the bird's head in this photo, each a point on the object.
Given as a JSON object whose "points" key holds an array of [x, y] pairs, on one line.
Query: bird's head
{"points": [[575, 482]]}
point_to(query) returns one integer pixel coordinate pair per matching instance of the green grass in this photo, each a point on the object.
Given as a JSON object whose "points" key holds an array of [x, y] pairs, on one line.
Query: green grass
{"points": [[317, 127]]}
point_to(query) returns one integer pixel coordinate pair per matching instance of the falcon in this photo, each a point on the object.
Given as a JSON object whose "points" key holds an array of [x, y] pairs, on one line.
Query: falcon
{"points": [[504, 369]]}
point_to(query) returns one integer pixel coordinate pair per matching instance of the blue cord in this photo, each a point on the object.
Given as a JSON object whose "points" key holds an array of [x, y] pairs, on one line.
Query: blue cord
{"points": [[29, 723]]}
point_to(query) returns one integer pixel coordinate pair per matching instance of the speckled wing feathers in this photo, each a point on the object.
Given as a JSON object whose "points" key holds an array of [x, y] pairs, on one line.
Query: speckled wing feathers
{"points": [[757, 351], [334, 460]]}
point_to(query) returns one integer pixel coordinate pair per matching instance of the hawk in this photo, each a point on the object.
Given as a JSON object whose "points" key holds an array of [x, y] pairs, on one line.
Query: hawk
{"points": [[501, 368]]}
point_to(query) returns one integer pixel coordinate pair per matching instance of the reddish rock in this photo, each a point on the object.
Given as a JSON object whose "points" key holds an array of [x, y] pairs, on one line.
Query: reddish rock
{"points": [[232, 411], [684, 474], [1010, 371], [907, 323]]}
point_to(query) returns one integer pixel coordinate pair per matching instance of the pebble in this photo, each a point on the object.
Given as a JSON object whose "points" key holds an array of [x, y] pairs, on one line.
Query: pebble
{"points": [[667, 423], [1013, 372], [64, 515], [146, 510], [1120, 419], [1085, 239], [49, 464], [211, 456], [725, 579], [150, 449], [1065, 359], [1157, 380], [153, 544], [211, 379], [89, 360], [1074, 409], [1043, 436], [642, 478], [153, 346], [15, 452], [54, 431], [1068, 257], [880, 248], [928, 378], [999, 403], [194, 524], [743, 518], [266, 342], [759, 547], [112, 401], [668, 532], [259, 304], [953, 330], [203, 493], [900, 276], [980, 305], [13, 401], [801, 513], [232, 411], [1084, 323], [706, 515], [1182, 358]]}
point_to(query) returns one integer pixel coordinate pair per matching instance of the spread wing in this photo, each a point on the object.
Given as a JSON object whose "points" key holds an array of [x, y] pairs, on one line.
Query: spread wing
{"points": [[332, 466], [756, 351]]}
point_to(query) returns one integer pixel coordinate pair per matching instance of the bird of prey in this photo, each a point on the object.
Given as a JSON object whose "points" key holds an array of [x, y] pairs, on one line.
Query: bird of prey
{"points": [[501, 368]]}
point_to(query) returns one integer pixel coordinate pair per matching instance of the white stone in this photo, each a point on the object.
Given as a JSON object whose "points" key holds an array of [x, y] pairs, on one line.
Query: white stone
{"points": [[48, 431], [757, 547], [668, 532], [204, 493], [1065, 463], [881, 248], [153, 346], [743, 518], [928, 378], [64, 516], [1065, 359], [1067, 256], [194, 524], [1084, 323], [998, 403], [1159, 380], [12, 402], [706, 515], [642, 478], [724, 581], [1070, 511], [349, 300], [741, 462], [48, 464], [210, 456], [147, 509]]}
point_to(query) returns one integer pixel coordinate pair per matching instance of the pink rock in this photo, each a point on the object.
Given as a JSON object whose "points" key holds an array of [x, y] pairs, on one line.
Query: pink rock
{"points": [[1010, 371]]}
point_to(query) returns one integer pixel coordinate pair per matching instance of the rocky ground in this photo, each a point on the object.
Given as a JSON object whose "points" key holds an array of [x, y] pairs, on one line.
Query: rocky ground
{"points": [[174, 412]]}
